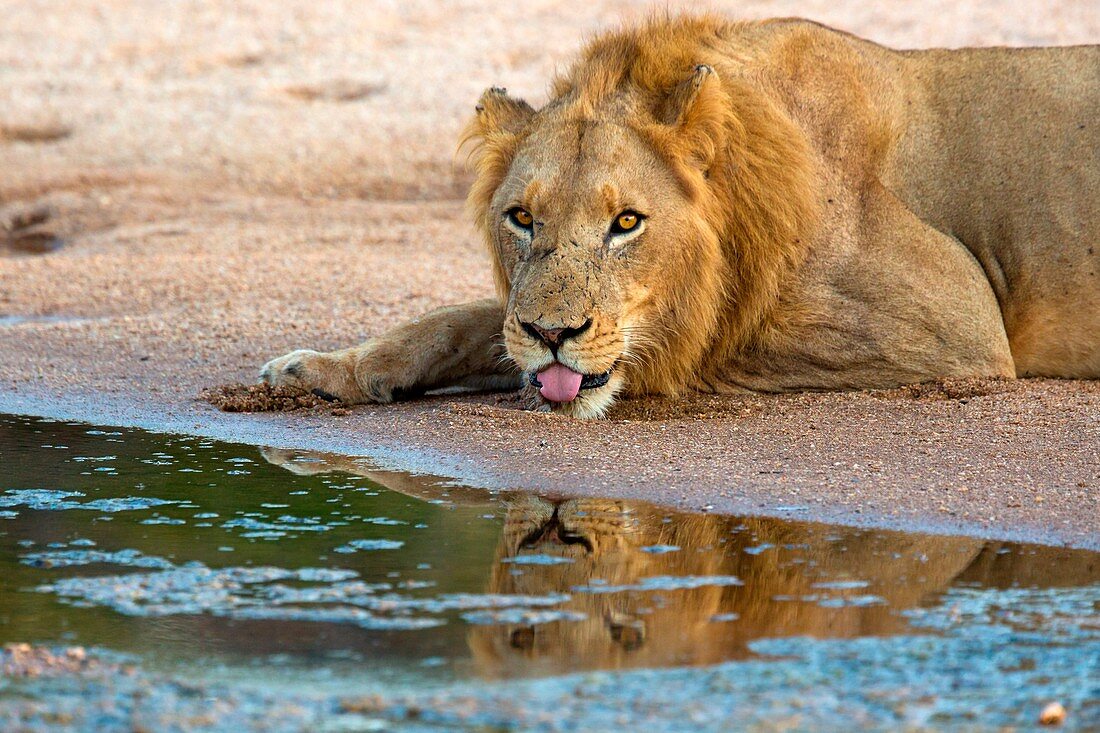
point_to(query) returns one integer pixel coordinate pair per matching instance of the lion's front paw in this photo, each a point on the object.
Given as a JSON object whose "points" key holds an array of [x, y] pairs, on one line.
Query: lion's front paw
{"points": [[329, 376]]}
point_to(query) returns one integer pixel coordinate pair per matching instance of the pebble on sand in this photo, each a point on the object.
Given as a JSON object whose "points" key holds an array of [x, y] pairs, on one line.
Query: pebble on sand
{"points": [[1053, 714]]}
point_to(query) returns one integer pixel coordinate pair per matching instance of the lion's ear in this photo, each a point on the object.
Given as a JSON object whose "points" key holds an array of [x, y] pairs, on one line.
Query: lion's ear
{"points": [[497, 112], [698, 109]]}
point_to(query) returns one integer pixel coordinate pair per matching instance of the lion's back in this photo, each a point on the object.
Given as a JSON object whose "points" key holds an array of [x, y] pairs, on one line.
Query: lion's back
{"points": [[1002, 152]]}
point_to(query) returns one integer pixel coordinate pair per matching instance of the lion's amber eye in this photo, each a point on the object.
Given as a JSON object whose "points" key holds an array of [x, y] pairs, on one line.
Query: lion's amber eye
{"points": [[521, 217], [625, 222]]}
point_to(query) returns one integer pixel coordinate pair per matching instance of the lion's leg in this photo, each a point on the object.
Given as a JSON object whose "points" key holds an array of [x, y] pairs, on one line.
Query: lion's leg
{"points": [[453, 346]]}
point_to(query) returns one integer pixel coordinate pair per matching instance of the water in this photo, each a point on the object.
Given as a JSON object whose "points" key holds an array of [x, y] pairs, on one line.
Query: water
{"points": [[214, 562]]}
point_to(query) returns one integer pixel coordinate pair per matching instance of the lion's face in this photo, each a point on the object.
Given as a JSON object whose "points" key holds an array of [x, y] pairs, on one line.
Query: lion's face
{"points": [[584, 223], [640, 224]]}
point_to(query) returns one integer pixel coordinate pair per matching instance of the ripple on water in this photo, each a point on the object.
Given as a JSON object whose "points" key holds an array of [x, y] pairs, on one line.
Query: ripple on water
{"points": [[662, 582], [69, 558], [282, 524], [339, 596], [521, 616], [367, 545], [56, 500], [659, 549], [535, 559]]}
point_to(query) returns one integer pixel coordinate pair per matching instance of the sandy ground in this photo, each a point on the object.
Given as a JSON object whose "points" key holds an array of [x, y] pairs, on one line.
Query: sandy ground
{"points": [[191, 189]]}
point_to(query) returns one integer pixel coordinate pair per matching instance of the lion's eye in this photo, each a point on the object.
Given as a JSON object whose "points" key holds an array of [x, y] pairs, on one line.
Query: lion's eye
{"points": [[626, 222], [521, 217]]}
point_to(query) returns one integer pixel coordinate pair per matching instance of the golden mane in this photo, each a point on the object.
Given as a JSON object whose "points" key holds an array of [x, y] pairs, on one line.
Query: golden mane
{"points": [[745, 165]]}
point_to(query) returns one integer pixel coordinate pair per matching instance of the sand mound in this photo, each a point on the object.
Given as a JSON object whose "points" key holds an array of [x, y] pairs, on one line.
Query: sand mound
{"points": [[951, 389], [704, 406], [687, 406], [265, 398]]}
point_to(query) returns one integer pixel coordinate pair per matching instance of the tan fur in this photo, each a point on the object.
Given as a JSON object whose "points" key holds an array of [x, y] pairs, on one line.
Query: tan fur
{"points": [[820, 213]]}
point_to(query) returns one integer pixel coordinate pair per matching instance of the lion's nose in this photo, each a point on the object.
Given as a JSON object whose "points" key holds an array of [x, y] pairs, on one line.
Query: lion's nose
{"points": [[554, 337]]}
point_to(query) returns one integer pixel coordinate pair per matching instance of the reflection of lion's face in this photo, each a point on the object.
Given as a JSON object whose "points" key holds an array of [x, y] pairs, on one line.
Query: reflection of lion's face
{"points": [[575, 528], [605, 540], [574, 268]]}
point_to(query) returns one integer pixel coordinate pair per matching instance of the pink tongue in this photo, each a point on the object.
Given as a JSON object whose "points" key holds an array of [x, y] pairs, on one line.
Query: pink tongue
{"points": [[559, 383]]}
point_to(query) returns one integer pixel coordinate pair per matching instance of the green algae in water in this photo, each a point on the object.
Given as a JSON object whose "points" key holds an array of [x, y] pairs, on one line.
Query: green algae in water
{"points": [[216, 560]]}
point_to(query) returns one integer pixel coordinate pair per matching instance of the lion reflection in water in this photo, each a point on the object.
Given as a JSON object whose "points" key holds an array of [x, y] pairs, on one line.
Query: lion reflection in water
{"points": [[607, 542]]}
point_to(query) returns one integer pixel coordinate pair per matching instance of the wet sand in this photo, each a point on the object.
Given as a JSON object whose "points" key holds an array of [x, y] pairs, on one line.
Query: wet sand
{"points": [[187, 192]]}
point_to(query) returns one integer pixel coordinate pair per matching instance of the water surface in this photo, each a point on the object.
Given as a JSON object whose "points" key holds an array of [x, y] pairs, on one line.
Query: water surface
{"points": [[216, 560]]}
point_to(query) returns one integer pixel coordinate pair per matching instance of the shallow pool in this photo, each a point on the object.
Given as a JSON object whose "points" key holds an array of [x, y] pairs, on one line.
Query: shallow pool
{"points": [[320, 575]]}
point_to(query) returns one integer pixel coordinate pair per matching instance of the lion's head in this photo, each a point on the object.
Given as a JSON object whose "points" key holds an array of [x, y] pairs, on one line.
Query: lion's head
{"points": [[639, 223]]}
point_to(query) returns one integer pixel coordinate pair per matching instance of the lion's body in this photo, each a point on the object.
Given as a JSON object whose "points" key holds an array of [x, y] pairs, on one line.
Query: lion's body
{"points": [[992, 159], [821, 212], [1004, 155]]}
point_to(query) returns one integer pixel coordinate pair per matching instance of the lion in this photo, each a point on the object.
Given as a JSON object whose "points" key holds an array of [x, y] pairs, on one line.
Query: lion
{"points": [[766, 206]]}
